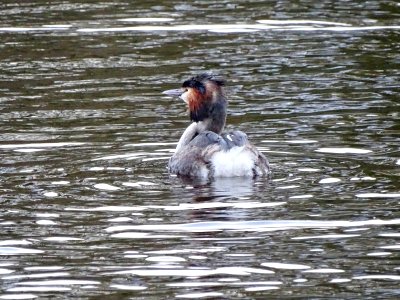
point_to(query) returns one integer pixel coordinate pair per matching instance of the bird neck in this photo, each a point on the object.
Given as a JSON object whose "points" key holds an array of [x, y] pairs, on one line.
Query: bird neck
{"points": [[195, 128], [190, 132], [210, 115], [214, 121], [212, 124]]}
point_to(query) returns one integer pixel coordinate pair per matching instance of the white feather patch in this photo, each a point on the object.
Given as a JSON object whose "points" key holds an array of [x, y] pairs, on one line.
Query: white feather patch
{"points": [[235, 162], [185, 97], [203, 173]]}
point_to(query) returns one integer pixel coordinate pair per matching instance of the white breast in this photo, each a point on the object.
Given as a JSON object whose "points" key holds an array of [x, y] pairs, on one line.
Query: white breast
{"points": [[238, 161]]}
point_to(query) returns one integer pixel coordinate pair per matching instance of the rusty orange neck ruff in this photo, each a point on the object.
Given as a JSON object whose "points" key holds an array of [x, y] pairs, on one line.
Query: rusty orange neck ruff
{"points": [[199, 105], [208, 108]]}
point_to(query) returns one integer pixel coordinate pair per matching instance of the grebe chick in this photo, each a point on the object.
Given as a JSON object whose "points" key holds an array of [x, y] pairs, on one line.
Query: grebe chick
{"points": [[202, 150]]}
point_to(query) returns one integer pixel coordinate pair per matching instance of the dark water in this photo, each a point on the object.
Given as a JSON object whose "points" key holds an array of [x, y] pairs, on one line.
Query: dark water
{"points": [[87, 208]]}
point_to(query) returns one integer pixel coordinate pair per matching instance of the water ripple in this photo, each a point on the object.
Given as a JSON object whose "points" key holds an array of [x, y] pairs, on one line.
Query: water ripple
{"points": [[254, 226], [88, 207], [278, 25]]}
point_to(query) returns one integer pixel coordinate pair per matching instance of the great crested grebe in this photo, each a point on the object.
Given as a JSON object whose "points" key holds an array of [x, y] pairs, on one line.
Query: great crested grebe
{"points": [[202, 150]]}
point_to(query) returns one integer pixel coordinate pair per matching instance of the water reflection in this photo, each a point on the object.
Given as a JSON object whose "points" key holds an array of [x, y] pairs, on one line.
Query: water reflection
{"points": [[236, 187], [292, 25], [257, 226], [88, 209]]}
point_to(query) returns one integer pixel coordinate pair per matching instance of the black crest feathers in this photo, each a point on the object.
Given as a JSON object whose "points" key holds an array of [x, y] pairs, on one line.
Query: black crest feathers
{"points": [[198, 81]]}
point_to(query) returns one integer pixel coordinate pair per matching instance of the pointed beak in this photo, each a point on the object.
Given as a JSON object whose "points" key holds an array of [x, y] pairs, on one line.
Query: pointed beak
{"points": [[173, 93]]}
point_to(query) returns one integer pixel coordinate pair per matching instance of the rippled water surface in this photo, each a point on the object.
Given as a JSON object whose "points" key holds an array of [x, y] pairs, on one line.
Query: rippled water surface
{"points": [[88, 209]]}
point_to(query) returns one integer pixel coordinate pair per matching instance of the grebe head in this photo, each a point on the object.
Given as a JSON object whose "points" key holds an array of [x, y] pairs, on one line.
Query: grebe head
{"points": [[206, 100]]}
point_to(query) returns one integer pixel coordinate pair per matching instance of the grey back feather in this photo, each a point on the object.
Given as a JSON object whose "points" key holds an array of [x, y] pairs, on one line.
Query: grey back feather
{"points": [[195, 158]]}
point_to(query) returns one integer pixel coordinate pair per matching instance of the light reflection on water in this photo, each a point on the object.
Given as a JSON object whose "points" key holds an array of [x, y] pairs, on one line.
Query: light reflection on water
{"points": [[88, 208], [293, 25]]}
